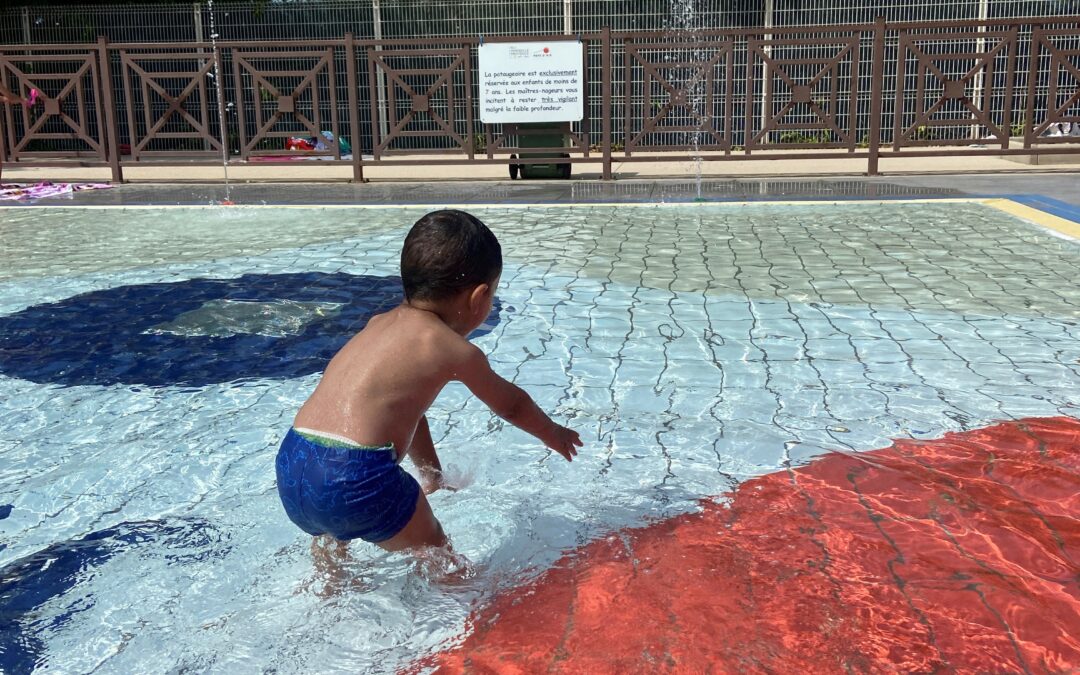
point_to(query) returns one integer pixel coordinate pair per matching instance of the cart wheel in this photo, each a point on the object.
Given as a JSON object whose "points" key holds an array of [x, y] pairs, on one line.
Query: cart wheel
{"points": [[514, 168]]}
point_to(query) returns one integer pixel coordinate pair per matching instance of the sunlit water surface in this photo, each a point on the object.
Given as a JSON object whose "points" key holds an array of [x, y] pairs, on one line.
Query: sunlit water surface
{"points": [[692, 346]]}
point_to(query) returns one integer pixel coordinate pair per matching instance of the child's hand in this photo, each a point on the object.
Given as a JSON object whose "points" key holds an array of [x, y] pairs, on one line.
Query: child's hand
{"points": [[563, 441]]}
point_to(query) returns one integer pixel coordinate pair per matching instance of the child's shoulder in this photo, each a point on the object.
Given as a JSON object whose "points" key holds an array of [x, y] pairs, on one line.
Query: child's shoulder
{"points": [[414, 330]]}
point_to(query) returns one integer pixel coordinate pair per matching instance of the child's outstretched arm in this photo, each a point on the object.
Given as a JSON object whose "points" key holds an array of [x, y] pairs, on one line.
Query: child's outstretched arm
{"points": [[510, 402]]}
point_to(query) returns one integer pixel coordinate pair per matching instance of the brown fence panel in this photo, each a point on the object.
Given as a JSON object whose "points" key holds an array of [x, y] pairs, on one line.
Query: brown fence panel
{"points": [[64, 118], [948, 80], [808, 101], [287, 100], [943, 88], [433, 100], [1062, 100], [170, 88], [688, 97]]}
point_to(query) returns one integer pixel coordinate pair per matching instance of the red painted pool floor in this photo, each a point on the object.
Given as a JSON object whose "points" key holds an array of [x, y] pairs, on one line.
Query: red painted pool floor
{"points": [[953, 555]]}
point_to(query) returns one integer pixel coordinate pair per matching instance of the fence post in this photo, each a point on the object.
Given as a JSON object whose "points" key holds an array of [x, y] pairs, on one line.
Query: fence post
{"points": [[354, 110], [112, 148], [3, 141], [876, 91], [605, 125], [1030, 90]]}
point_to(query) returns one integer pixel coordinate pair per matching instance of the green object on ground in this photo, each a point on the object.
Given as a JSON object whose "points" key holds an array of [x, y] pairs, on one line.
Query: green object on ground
{"points": [[543, 135]]}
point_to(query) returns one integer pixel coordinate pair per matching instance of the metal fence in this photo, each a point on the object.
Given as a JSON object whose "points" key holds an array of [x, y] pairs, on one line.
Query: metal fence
{"points": [[375, 19], [997, 86]]}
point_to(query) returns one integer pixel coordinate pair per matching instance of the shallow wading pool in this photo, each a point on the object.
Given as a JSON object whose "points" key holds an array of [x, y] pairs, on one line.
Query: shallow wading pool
{"points": [[152, 358]]}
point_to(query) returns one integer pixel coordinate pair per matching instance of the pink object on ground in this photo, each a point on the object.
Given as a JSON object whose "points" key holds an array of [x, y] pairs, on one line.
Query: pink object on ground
{"points": [[24, 193]]}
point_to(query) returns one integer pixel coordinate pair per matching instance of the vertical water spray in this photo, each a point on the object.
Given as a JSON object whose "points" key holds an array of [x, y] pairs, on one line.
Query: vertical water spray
{"points": [[219, 85], [691, 59]]}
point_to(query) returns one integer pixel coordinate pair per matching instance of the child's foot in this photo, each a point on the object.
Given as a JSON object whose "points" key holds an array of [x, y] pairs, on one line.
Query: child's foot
{"points": [[331, 559]]}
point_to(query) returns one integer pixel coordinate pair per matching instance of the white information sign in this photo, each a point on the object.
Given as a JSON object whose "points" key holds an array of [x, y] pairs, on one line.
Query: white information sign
{"points": [[532, 82]]}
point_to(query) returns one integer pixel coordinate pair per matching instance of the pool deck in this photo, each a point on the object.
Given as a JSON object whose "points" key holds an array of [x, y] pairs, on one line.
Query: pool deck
{"points": [[639, 169], [1056, 193]]}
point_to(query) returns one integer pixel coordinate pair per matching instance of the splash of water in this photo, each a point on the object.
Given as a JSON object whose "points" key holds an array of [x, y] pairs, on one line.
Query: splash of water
{"points": [[690, 74], [220, 88]]}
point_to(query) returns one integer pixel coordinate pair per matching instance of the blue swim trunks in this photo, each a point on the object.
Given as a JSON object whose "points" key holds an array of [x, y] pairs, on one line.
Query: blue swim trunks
{"points": [[333, 486]]}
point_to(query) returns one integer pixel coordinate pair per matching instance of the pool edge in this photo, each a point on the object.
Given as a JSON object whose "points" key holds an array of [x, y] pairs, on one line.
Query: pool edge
{"points": [[1056, 224]]}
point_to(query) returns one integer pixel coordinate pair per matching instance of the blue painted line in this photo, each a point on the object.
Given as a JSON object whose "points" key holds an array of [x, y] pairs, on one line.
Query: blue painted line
{"points": [[1054, 207]]}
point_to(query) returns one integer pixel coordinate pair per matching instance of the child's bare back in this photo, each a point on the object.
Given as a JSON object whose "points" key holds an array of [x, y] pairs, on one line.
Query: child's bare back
{"points": [[378, 386], [338, 467]]}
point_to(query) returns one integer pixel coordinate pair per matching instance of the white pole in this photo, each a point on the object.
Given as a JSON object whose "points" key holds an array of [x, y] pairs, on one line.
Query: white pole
{"points": [[980, 47], [769, 10], [568, 17], [380, 76], [196, 12]]}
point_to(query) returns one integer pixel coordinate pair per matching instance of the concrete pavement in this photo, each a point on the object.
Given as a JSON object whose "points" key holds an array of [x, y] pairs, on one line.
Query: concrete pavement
{"points": [[317, 171]]}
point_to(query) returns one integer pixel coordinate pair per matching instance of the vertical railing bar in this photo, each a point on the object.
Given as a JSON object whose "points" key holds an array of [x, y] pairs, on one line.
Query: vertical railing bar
{"points": [[331, 74], [7, 99], [628, 97], [922, 70], [354, 109], [876, 92], [748, 128], [316, 102], [729, 95], [111, 145], [5, 64], [375, 135], [80, 106], [469, 140], [1010, 79], [585, 107], [391, 107], [128, 94], [220, 85], [979, 81], [3, 139], [24, 110], [853, 100], [1033, 73], [204, 103], [241, 115], [769, 119], [901, 74], [147, 117], [196, 17], [605, 105]]}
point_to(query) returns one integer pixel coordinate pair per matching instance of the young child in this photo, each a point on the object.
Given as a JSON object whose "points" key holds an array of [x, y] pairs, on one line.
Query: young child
{"points": [[338, 468]]}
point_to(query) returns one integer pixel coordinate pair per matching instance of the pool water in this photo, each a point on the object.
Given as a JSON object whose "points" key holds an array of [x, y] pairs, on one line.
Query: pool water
{"points": [[152, 359]]}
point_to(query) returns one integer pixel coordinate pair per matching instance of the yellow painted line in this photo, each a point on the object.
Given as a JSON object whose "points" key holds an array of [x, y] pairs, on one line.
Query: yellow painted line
{"points": [[1041, 218], [548, 205]]}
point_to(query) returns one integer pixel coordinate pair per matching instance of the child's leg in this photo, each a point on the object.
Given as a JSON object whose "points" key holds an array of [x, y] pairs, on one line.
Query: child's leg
{"points": [[330, 556], [422, 453], [423, 529]]}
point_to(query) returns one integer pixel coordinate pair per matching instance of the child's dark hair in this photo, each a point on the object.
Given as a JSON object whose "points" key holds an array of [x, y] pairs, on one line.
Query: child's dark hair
{"points": [[446, 252]]}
